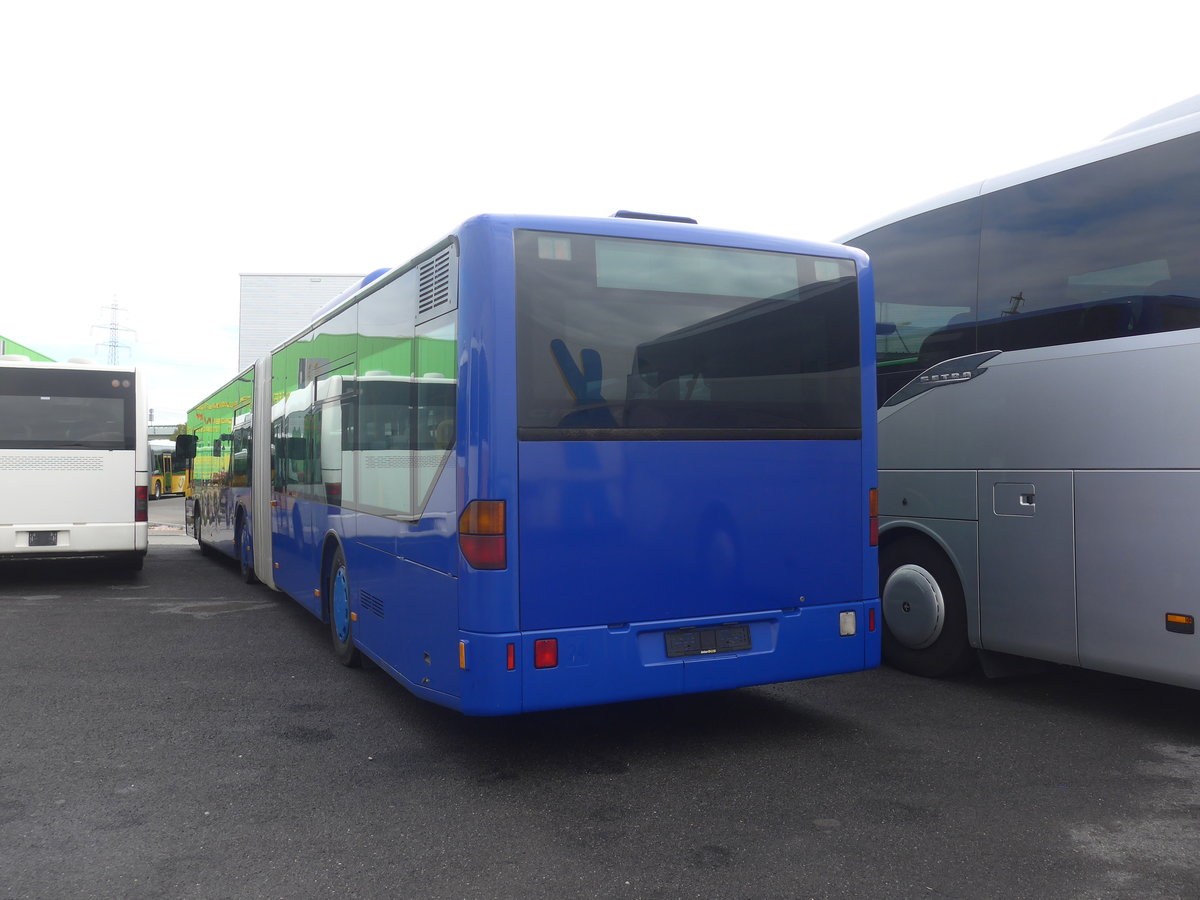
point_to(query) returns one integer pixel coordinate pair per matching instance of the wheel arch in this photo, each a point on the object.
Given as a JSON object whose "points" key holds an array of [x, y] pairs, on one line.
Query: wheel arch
{"points": [[958, 541], [331, 544]]}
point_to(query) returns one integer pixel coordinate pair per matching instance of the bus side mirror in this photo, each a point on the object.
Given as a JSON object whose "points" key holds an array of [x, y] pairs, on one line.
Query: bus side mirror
{"points": [[185, 447]]}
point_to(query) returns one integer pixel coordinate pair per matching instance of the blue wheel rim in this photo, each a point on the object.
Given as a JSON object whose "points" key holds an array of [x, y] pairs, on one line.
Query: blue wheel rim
{"points": [[340, 604], [247, 552]]}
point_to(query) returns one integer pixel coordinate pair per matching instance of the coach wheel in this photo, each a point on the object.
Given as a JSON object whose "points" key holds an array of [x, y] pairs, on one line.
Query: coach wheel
{"points": [[157, 491], [337, 589], [924, 613], [245, 552]]}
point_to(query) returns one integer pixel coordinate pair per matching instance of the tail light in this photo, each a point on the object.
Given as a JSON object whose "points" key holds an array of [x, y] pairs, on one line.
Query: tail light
{"points": [[481, 534], [333, 493], [545, 653], [873, 504], [141, 504]]}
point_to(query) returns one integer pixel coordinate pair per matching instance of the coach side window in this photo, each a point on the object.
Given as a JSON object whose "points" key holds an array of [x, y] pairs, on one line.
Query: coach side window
{"points": [[1099, 251], [926, 281]]}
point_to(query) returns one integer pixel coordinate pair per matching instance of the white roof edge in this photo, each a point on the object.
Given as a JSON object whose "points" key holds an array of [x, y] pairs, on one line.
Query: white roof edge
{"points": [[1172, 122], [937, 202], [1178, 110]]}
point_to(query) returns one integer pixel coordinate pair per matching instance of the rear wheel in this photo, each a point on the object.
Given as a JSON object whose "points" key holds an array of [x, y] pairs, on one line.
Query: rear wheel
{"points": [[924, 612], [205, 550], [341, 624], [245, 552]]}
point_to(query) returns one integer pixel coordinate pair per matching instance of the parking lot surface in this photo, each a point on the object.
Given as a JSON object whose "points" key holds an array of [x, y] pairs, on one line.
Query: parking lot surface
{"points": [[181, 734]]}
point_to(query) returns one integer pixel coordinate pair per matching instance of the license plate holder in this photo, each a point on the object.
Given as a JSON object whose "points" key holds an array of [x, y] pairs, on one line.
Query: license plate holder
{"points": [[43, 539], [707, 641]]}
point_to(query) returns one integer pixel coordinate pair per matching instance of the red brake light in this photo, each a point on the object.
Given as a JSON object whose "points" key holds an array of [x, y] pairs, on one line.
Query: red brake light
{"points": [[545, 653], [481, 534], [141, 504]]}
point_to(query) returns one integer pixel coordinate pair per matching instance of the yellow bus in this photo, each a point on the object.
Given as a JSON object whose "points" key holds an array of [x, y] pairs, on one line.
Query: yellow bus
{"points": [[164, 477]]}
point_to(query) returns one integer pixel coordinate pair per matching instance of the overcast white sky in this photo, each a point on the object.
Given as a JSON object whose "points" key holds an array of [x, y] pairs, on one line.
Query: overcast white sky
{"points": [[154, 151]]}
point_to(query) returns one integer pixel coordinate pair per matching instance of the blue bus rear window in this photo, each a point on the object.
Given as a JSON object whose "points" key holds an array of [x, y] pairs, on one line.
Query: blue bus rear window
{"points": [[646, 340]]}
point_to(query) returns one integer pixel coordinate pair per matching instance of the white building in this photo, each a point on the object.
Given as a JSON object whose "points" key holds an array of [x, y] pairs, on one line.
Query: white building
{"points": [[274, 307]]}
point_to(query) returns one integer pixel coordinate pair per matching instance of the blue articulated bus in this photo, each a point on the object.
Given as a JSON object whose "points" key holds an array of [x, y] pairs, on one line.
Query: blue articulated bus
{"points": [[555, 462]]}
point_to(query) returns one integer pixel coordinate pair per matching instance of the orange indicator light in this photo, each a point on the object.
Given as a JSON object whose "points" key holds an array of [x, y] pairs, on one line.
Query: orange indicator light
{"points": [[462, 654], [1181, 623]]}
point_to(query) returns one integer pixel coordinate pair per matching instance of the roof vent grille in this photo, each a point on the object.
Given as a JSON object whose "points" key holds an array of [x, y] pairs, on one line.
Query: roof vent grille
{"points": [[436, 291]]}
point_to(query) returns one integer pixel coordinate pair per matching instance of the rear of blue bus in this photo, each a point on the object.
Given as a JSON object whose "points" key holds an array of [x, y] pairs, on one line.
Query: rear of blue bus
{"points": [[669, 478]]}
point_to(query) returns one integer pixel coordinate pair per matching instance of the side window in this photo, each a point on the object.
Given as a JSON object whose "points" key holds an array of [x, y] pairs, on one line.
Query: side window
{"points": [[436, 399], [926, 285], [332, 439], [292, 370], [1100, 251], [298, 424], [386, 364], [240, 455], [404, 398]]}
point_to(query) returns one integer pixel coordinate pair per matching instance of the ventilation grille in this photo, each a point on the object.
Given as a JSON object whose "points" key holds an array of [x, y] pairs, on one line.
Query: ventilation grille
{"points": [[51, 463], [436, 289], [426, 460], [371, 602]]}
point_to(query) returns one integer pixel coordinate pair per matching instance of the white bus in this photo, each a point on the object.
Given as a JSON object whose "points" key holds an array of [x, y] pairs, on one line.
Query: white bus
{"points": [[1038, 343], [73, 457]]}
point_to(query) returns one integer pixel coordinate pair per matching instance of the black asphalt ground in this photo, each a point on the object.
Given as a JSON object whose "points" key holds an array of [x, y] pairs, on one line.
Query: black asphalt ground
{"points": [[179, 734]]}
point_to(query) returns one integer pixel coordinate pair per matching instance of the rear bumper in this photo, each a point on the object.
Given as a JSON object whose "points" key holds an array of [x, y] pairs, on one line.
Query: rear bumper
{"points": [[606, 664], [73, 540]]}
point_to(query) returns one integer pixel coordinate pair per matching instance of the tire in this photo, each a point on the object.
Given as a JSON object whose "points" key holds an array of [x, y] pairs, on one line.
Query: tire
{"points": [[924, 613], [245, 552], [341, 625], [205, 550], [157, 493]]}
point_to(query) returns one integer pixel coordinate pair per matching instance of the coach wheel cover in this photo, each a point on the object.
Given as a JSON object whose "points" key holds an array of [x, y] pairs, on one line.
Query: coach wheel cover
{"points": [[913, 607]]}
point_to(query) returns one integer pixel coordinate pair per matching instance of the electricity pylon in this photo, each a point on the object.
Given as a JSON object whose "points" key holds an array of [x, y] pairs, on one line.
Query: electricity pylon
{"points": [[113, 343]]}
